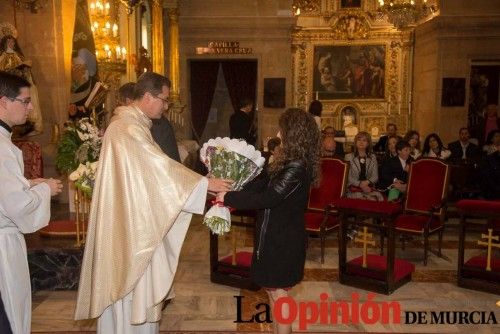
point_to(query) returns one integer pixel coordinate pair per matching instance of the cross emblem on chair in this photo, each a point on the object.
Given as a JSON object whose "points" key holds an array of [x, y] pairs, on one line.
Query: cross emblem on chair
{"points": [[490, 237], [365, 240]]}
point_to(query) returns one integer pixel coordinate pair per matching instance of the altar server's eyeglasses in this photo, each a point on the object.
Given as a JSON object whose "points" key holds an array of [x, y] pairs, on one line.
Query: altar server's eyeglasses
{"points": [[25, 102]]}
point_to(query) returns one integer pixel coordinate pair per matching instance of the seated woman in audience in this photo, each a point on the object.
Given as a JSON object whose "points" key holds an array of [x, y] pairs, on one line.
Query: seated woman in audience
{"points": [[412, 137], [390, 149], [492, 142], [394, 171], [433, 148], [363, 171]]}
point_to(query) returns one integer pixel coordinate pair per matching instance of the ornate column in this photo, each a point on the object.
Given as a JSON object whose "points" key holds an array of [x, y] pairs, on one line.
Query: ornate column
{"points": [[177, 117], [173, 18], [157, 37]]}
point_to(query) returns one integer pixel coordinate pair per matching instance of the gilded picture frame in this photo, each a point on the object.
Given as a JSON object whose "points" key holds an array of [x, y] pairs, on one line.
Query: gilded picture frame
{"points": [[346, 72]]}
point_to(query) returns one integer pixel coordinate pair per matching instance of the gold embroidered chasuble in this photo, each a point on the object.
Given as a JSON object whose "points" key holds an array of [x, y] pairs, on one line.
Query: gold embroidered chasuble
{"points": [[137, 224]]}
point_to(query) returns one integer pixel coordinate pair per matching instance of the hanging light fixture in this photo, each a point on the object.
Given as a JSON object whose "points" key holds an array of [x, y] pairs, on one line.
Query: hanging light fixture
{"points": [[104, 18], [404, 13]]}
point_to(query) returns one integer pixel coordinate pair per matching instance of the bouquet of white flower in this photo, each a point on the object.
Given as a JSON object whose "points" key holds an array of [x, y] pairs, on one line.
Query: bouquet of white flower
{"points": [[229, 159], [84, 177], [79, 144]]}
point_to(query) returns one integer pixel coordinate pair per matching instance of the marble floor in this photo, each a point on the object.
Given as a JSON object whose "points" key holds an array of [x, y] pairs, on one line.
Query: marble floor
{"points": [[202, 306]]}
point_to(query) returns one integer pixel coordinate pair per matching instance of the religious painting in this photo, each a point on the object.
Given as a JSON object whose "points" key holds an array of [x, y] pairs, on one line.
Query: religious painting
{"points": [[453, 92], [274, 92], [350, 3], [349, 72], [484, 89]]}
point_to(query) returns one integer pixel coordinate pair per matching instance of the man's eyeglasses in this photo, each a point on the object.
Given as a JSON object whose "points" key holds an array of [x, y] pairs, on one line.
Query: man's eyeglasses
{"points": [[165, 101], [25, 102]]}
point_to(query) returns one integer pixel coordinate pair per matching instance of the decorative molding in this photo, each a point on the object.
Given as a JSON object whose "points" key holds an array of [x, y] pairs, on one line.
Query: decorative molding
{"points": [[350, 26], [307, 7], [394, 107]]}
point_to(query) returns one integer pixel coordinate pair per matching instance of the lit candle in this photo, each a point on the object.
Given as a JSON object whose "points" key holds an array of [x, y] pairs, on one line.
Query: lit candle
{"points": [[92, 7], [124, 53], [96, 25], [106, 47], [115, 30], [107, 6], [118, 52], [109, 54], [97, 54]]}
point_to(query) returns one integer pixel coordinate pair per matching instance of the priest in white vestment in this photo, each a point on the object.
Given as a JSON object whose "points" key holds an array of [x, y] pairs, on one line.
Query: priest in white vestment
{"points": [[24, 205], [141, 209]]}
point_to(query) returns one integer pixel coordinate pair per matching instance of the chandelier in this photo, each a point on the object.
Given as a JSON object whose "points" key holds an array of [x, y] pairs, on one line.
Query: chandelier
{"points": [[404, 13], [103, 17]]}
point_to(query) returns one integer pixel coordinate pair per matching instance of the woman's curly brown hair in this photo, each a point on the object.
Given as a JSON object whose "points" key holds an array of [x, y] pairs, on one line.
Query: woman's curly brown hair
{"points": [[300, 140]]}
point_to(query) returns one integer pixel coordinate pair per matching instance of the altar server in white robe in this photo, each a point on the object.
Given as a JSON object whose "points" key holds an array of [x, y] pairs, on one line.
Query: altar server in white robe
{"points": [[24, 205], [141, 209]]}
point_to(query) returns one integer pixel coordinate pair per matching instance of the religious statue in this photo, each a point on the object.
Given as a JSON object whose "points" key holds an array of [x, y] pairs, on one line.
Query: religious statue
{"points": [[349, 119], [83, 80], [12, 60]]}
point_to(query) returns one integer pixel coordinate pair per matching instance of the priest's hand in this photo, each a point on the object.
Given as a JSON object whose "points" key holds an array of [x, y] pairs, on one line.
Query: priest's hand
{"points": [[55, 186], [218, 185]]}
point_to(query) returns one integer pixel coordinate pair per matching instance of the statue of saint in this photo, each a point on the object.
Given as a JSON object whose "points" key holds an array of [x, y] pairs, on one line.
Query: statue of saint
{"points": [[12, 60], [350, 128]]}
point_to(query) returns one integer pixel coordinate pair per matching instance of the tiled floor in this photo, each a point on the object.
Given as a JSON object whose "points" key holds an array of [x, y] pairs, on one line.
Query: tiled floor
{"points": [[204, 306]]}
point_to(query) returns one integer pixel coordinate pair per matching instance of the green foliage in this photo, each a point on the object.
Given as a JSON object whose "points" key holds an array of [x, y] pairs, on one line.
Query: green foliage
{"points": [[69, 143]]}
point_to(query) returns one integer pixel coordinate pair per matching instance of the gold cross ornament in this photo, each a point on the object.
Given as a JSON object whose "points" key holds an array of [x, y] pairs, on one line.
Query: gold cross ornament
{"points": [[365, 240], [490, 237]]}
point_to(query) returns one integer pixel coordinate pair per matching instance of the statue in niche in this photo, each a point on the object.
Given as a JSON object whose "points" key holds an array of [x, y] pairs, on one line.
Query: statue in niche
{"points": [[12, 60], [349, 119]]}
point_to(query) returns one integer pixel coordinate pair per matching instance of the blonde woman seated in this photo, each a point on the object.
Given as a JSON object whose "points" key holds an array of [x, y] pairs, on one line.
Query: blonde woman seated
{"points": [[363, 171]]}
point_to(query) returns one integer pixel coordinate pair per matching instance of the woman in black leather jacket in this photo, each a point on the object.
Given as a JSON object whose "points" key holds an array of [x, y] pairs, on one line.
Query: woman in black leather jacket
{"points": [[281, 199]]}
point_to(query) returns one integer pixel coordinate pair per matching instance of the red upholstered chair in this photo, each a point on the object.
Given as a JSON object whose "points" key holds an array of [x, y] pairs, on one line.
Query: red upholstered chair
{"points": [[475, 272], [320, 216], [32, 157], [423, 206]]}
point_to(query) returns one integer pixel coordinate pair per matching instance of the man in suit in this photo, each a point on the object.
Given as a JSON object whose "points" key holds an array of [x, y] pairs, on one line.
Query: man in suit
{"points": [[391, 130], [162, 131], [394, 171], [462, 150], [241, 123]]}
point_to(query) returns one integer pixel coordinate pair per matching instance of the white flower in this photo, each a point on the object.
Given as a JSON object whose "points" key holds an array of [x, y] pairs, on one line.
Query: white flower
{"points": [[78, 173]]}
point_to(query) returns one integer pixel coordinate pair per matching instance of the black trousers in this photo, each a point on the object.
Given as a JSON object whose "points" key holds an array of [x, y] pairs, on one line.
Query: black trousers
{"points": [[4, 321]]}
